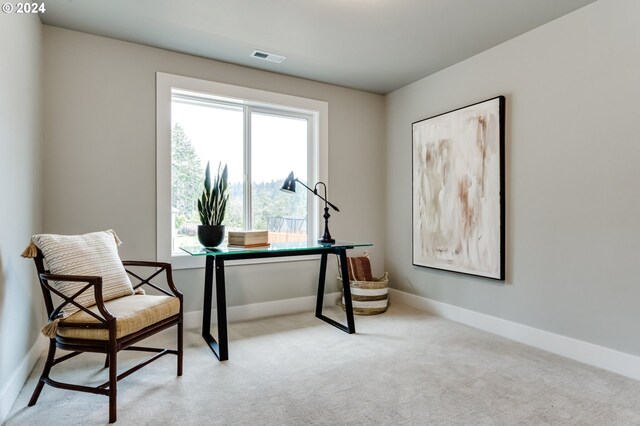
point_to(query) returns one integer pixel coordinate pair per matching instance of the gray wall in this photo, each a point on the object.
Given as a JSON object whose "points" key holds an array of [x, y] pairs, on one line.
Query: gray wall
{"points": [[99, 136], [21, 307], [572, 197]]}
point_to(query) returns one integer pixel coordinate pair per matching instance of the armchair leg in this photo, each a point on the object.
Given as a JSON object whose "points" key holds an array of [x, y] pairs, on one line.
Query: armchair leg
{"points": [[45, 373], [113, 383], [180, 346]]}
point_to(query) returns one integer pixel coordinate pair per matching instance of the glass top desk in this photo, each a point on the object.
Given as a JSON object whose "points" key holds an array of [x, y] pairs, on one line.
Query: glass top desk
{"points": [[216, 258]]}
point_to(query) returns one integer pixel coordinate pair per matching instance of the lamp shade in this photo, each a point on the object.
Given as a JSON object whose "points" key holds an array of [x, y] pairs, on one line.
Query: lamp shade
{"points": [[289, 184]]}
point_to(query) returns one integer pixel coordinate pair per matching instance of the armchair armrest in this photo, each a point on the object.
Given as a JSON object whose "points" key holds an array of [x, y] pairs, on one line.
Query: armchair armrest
{"points": [[160, 267], [91, 280]]}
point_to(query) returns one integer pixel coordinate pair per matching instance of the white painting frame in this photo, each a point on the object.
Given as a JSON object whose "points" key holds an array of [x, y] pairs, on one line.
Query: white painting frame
{"points": [[458, 190]]}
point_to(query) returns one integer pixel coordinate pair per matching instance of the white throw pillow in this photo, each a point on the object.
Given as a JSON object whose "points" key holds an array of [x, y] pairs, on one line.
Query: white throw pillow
{"points": [[96, 254]]}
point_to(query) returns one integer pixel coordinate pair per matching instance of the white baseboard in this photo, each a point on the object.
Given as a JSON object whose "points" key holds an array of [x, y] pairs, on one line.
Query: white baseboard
{"points": [[588, 353], [253, 311], [13, 387]]}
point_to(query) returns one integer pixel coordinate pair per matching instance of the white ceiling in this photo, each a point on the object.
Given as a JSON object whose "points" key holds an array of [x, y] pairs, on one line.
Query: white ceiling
{"points": [[373, 45]]}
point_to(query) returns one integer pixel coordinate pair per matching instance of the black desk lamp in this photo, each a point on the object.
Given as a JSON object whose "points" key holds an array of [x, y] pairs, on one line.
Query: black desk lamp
{"points": [[289, 185]]}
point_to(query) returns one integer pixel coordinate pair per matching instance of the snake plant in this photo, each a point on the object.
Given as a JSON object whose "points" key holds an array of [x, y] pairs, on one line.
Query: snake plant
{"points": [[212, 205]]}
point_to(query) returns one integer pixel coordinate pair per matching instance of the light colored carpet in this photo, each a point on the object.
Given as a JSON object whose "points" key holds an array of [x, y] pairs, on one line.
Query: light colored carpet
{"points": [[404, 367]]}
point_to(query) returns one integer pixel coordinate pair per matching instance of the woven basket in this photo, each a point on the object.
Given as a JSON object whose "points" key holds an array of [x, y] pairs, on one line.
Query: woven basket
{"points": [[368, 297]]}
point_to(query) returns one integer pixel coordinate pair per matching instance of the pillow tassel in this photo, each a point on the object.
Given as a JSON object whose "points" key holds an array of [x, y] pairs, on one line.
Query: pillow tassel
{"points": [[140, 291], [115, 237], [51, 329], [31, 251]]}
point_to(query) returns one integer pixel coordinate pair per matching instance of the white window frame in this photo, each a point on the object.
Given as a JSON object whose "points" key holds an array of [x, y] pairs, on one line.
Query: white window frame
{"points": [[317, 157]]}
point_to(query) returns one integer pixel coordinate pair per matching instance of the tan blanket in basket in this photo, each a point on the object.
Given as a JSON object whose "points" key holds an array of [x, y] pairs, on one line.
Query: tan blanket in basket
{"points": [[359, 268]]}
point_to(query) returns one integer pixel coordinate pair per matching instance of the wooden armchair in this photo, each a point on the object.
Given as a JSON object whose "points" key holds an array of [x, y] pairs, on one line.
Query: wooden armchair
{"points": [[108, 326]]}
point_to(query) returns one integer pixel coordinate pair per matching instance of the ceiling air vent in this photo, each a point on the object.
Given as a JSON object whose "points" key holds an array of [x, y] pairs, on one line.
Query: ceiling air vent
{"points": [[266, 56]]}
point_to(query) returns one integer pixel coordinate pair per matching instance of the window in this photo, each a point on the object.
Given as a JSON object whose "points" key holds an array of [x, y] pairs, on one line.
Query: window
{"points": [[260, 136]]}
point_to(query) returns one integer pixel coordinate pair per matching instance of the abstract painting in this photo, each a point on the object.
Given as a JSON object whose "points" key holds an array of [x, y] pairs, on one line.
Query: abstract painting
{"points": [[458, 184]]}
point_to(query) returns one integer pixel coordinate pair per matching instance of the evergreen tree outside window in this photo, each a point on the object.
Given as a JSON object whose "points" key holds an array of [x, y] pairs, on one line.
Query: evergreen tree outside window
{"points": [[186, 172]]}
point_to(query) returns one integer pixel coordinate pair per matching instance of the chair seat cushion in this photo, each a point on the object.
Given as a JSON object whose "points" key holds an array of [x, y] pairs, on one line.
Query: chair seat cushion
{"points": [[133, 313]]}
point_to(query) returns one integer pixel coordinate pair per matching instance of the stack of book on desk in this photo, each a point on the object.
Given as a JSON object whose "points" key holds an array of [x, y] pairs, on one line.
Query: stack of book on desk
{"points": [[248, 238]]}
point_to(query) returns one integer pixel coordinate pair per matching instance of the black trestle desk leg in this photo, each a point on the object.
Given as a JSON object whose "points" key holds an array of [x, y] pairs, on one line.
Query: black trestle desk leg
{"points": [[219, 347], [350, 328], [321, 278], [348, 305], [208, 293], [221, 301]]}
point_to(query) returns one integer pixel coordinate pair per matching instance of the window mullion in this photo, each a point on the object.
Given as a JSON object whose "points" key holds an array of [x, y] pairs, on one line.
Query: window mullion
{"points": [[247, 168], [312, 176]]}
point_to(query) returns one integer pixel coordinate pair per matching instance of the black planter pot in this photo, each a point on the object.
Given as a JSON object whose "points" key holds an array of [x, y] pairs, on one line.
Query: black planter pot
{"points": [[210, 235]]}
